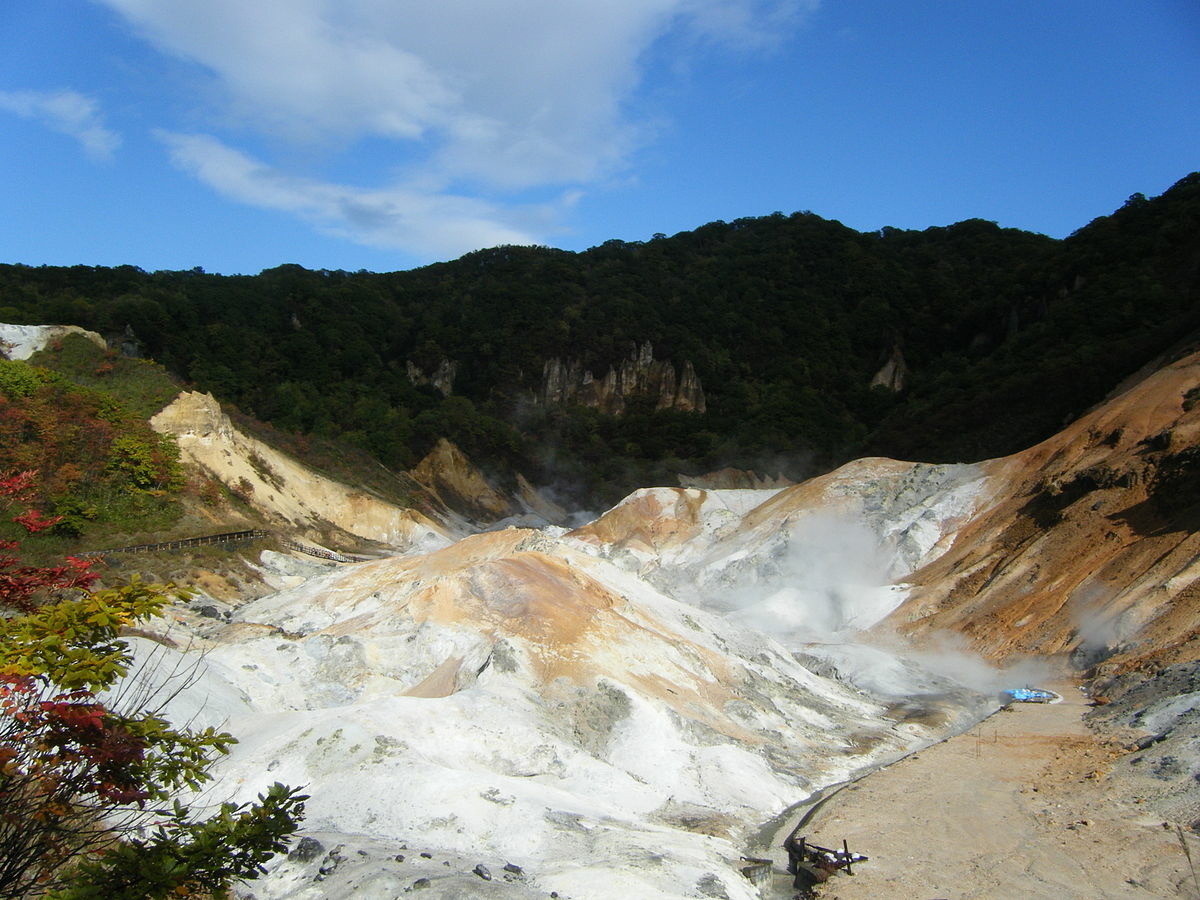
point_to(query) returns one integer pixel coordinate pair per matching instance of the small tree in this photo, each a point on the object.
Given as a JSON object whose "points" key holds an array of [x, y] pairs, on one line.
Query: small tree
{"points": [[87, 786]]}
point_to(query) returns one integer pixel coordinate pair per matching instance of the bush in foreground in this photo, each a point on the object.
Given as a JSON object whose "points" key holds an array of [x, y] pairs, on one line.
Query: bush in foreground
{"points": [[88, 774]]}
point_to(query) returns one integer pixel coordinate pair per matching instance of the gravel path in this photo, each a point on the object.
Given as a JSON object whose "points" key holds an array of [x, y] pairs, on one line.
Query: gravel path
{"points": [[1020, 806]]}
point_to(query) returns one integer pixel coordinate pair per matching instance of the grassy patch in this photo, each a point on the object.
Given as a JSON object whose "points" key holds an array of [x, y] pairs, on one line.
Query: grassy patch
{"points": [[143, 386], [99, 466]]}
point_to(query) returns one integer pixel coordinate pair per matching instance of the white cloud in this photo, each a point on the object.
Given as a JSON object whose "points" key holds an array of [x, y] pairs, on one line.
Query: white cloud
{"points": [[474, 95], [431, 224], [68, 112], [747, 24]]}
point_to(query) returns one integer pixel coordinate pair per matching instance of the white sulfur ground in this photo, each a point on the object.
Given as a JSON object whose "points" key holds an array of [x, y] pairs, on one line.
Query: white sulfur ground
{"points": [[570, 708]]}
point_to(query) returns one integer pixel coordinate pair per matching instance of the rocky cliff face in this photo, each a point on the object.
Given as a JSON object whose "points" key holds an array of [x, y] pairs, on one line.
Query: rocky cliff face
{"points": [[893, 374], [638, 375], [442, 378], [456, 484], [456, 491]]}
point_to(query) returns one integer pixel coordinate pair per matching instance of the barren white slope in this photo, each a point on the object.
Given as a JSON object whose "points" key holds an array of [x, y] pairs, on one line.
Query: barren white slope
{"points": [[22, 341], [821, 559], [518, 699]]}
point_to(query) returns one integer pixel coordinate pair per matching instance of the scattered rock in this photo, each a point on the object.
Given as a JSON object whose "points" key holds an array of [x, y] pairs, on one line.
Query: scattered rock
{"points": [[421, 884], [712, 886], [1149, 741], [307, 850], [483, 872], [332, 859]]}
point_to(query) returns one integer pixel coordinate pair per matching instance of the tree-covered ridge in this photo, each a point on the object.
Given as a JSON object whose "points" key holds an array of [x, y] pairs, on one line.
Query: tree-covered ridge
{"points": [[785, 319]]}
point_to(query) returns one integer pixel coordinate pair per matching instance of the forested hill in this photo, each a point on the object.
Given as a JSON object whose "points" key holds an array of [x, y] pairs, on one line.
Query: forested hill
{"points": [[785, 320]]}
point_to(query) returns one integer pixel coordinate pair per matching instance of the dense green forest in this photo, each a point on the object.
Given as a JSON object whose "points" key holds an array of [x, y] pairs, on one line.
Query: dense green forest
{"points": [[785, 318]]}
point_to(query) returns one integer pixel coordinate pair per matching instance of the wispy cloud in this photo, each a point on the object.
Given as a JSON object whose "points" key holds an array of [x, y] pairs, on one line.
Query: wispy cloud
{"points": [[68, 112], [431, 224], [747, 24], [481, 99]]}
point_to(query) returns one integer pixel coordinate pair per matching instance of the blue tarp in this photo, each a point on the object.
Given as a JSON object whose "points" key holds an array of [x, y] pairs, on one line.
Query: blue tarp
{"points": [[1029, 695]]}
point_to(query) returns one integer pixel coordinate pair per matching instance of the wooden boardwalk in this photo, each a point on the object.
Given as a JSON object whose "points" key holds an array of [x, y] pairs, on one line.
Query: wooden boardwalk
{"points": [[229, 537]]}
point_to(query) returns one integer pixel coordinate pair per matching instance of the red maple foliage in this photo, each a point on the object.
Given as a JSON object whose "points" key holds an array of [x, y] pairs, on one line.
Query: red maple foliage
{"points": [[88, 775], [57, 747], [22, 586]]}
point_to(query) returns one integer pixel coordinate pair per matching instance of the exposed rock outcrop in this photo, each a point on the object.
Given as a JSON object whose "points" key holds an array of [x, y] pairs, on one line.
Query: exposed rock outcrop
{"points": [[893, 375], [537, 503], [453, 480], [638, 375], [456, 488], [442, 378], [126, 342], [1090, 545]]}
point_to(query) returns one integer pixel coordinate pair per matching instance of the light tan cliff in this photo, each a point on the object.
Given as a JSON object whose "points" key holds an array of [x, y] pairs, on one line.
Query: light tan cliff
{"points": [[452, 480], [282, 488], [893, 375], [453, 483]]}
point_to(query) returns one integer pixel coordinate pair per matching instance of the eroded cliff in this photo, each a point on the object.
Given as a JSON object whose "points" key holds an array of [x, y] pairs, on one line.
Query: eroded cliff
{"points": [[638, 375]]}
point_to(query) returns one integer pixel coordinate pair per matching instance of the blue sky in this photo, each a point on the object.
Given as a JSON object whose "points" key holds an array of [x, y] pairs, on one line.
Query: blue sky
{"points": [[385, 134]]}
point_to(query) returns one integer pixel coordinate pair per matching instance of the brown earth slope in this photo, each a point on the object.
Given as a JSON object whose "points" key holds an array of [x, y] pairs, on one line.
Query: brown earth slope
{"points": [[1090, 546]]}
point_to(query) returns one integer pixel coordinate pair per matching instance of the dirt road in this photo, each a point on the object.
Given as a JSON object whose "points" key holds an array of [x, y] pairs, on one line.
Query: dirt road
{"points": [[1021, 806]]}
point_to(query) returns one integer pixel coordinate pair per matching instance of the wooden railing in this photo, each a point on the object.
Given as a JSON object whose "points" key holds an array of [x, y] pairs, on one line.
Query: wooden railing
{"points": [[320, 552], [229, 537]]}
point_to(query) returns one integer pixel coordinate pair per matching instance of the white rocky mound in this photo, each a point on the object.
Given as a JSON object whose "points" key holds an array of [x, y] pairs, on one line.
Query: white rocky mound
{"points": [[819, 560], [519, 713], [22, 341]]}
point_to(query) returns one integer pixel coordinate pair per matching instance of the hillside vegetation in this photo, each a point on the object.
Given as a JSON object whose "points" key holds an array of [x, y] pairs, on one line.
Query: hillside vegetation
{"points": [[99, 466], [1006, 335]]}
